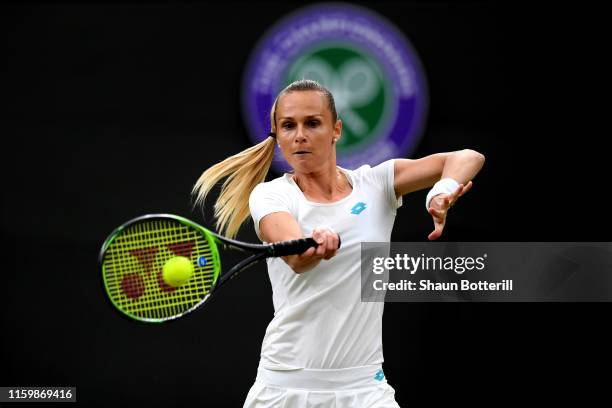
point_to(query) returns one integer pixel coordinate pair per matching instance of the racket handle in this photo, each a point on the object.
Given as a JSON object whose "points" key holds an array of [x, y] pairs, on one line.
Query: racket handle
{"points": [[295, 247]]}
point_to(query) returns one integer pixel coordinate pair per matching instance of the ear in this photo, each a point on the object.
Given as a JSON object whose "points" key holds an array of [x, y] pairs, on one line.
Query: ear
{"points": [[337, 131]]}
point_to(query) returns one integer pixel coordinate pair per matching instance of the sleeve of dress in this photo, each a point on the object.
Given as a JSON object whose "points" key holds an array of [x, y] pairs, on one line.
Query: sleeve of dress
{"points": [[384, 174], [264, 200]]}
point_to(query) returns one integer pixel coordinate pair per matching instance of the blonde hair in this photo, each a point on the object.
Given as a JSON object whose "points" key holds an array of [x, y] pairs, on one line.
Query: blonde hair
{"points": [[247, 169]]}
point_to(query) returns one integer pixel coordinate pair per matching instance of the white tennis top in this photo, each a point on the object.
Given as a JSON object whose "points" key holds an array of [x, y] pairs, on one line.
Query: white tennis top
{"points": [[319, 320]]}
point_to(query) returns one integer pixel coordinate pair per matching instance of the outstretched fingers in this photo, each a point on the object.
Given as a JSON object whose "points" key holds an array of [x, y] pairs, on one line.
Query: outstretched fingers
{"points": [[461, 190], [467, 187], [438, 215], [437, 232]]}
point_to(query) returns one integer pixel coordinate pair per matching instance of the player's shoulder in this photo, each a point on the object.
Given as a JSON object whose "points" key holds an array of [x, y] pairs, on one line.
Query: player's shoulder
{"points": [[276, 183], [359, 171], [279, 185], [366, 171]]}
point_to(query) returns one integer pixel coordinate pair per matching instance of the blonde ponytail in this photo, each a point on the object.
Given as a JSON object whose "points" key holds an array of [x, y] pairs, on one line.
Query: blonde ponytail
{"points": [[243, 171]]}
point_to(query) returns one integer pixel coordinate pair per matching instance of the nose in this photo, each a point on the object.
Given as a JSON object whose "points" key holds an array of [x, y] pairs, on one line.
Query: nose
{"points": [[299, 134]]}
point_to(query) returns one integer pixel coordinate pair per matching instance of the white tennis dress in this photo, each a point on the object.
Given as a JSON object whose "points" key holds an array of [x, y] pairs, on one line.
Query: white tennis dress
{"points": [[323, 347]]}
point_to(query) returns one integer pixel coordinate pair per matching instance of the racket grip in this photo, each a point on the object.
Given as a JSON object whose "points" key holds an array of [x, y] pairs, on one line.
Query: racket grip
{"points": [[295, 247]]}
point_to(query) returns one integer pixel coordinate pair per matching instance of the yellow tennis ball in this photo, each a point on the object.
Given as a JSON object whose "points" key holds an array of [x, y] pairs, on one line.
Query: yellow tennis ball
{"points": [[177, 271]]}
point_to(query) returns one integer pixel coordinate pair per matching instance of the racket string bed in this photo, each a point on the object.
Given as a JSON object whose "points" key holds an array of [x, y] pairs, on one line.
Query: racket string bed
{"points": [[137, 257]]}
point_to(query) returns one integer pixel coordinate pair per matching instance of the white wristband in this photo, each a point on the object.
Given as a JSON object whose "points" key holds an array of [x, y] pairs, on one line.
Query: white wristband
{"points": [[444, 186]]}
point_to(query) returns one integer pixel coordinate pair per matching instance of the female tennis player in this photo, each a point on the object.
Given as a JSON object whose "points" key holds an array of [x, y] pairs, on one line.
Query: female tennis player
{"points": [[323, 347]]}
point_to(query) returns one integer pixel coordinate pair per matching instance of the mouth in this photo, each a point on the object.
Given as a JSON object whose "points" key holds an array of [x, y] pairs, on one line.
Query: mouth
{"points": [[301, 153]]}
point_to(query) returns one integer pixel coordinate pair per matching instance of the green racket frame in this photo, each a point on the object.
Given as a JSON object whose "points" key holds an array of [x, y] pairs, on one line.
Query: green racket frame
{"points": [[132, 257], [183, 299]]}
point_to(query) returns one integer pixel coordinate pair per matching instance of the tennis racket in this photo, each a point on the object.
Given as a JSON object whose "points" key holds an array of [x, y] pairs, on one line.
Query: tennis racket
{"points": [[135, 257]]}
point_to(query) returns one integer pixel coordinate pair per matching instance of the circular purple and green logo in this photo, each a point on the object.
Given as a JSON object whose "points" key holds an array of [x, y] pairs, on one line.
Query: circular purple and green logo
{"points": [[368, 65]]}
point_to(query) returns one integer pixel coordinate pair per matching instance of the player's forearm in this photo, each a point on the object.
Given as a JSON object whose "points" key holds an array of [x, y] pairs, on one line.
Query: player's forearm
{"points": [[463, 165]]}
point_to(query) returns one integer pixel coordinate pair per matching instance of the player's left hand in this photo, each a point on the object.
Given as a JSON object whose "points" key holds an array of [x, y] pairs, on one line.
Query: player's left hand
{"points": [[439, 205]]}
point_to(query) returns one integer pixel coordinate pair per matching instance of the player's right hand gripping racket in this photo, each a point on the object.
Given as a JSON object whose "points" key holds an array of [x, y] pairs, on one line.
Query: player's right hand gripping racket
{"points": [[136, 256]]}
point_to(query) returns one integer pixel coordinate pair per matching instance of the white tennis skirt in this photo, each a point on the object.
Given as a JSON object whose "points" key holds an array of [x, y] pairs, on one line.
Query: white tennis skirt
{"points": [[357, 387]]}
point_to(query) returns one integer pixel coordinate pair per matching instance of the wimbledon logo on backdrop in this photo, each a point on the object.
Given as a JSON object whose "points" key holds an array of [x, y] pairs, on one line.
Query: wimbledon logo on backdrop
{"points": [[366, 62]]}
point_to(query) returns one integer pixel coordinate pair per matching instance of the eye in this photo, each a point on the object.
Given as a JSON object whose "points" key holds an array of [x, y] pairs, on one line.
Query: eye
{"points": [[287, 125], [313, 123]]}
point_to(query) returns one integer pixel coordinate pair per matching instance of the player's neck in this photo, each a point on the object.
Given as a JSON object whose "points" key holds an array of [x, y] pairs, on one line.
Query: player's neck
{"points": [[327, 185]]}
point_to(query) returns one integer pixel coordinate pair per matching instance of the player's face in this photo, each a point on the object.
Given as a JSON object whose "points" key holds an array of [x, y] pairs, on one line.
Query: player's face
{"points": [[305, 131]]}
